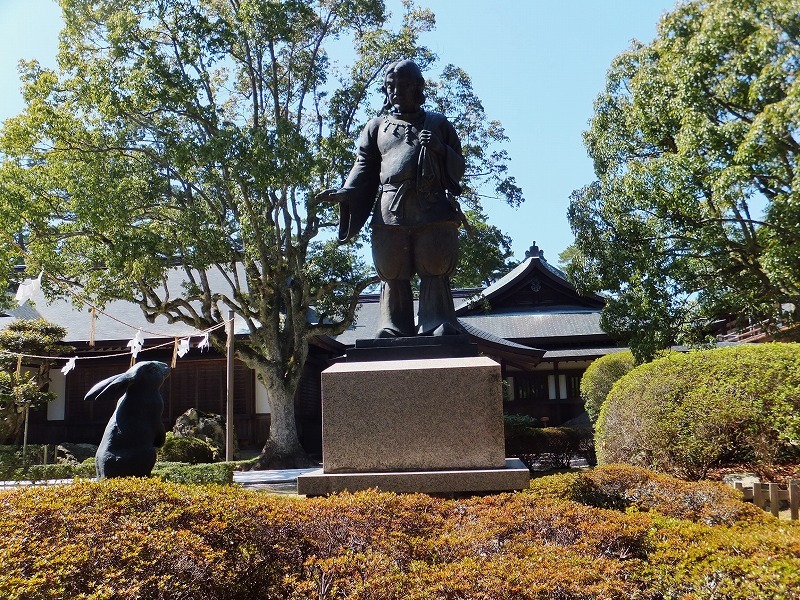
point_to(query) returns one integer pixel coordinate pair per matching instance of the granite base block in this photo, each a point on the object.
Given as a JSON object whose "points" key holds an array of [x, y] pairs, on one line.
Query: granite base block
{"points": [[412, 415], [515, 476]]}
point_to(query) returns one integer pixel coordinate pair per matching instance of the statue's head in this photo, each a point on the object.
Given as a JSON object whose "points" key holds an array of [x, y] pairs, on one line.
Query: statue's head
{"points": [[403, 86]]}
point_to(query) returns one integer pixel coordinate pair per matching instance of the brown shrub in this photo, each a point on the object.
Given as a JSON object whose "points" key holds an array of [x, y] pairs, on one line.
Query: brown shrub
{"points": [[150, 539], [623, 487]]}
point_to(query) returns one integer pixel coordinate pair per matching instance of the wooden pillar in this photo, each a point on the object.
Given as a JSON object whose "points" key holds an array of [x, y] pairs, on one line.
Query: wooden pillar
{"points": [[229, 393]]}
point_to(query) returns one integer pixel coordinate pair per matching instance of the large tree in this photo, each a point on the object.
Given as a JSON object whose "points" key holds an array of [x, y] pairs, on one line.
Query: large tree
{"points": [[695, 213], [194, 135]]}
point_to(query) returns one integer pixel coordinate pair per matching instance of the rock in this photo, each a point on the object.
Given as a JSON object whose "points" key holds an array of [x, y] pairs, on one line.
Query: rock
{"points": [[74, 454], [208, 427]]}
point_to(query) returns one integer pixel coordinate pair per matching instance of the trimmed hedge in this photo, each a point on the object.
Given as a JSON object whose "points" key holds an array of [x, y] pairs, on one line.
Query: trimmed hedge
{"points": [[685, 413], [202, 474], [11, 456], [57, 471], [143, 538], [550, 447], [14, 468]]}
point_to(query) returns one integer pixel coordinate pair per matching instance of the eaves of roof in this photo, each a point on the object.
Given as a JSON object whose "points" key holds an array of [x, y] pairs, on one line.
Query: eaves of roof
{"points": [[516, 277], [550, 326]]}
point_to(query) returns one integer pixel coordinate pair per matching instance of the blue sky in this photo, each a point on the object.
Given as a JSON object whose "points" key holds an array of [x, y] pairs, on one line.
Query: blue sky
{"points": [[537, 66]]}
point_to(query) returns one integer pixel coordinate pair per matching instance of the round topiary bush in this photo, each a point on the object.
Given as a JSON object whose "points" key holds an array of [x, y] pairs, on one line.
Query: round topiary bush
{"points": [[600, 377], [685, 413], [186, 450]]}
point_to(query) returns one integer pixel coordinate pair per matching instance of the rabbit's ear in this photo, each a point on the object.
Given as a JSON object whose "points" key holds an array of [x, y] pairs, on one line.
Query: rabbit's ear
{"points": [[115, 386]]}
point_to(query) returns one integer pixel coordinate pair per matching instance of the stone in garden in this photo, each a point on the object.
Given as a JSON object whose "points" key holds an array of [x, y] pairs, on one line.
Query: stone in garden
{"points": [[74, 454], [209, 427]]}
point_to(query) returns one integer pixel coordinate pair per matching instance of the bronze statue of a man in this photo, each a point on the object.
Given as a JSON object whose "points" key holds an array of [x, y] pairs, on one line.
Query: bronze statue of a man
{"points": [[414, 158]]}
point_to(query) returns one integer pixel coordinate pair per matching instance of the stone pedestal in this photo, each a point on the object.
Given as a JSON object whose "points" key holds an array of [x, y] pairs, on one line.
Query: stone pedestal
{"points": [[513, 476], [432, 425]]}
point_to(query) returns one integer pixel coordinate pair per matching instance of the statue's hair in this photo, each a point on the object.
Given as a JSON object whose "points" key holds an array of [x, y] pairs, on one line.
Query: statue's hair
{"points": [[409, 67]]}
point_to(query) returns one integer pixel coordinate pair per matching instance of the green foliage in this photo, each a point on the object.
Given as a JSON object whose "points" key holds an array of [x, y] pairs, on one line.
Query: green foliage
{"points": [[45, 472], [198, 474], [143, 538], [85, 470], [514, 424], [32, 336], [14, 468], [546, 448], [694, 214], [185, 449], [685, 413], [481, 140], [484, 253], [600, 376], [18, 390], [24, 388], [187, 141], [12, 463]]}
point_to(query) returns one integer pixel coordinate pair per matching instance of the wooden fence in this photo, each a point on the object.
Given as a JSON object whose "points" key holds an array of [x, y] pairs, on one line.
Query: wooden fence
{"points": [[772, 497]]}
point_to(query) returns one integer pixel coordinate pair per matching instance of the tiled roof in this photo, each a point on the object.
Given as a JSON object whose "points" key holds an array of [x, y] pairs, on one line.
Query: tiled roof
{"points": [[121, 319], [522, 268], [365, 325], [369, 315], [582, 352], [9, 315], [124, 318], [26, 311], [531, 267], [525, 325]]}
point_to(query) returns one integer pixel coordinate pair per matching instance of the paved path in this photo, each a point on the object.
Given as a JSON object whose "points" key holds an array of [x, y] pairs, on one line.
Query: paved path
{"points": [[277, 476], [279, 481]]}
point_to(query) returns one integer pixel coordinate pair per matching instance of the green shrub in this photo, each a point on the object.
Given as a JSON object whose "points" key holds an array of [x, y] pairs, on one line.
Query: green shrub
{"points": [[14, 467], [10, 461], [85, 470], [44, 472], [207, 473], [514, 424], [144, 538], [516, 430], [599, 378], [35, 473], [685, 413], [11, 456], [186, 450], [550, 447]]}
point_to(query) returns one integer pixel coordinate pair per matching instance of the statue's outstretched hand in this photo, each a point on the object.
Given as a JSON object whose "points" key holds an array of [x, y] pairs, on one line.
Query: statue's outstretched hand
{"points": [[334, 195], [431, 141]]}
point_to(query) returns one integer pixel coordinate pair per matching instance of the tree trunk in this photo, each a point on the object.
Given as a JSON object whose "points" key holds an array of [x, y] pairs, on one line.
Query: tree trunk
{"points": [[283, 449], [11, 421]]}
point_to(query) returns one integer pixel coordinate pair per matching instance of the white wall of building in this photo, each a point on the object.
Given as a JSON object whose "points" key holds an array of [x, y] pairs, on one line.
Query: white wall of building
{"points": [[55, 408], [262, 399]]}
